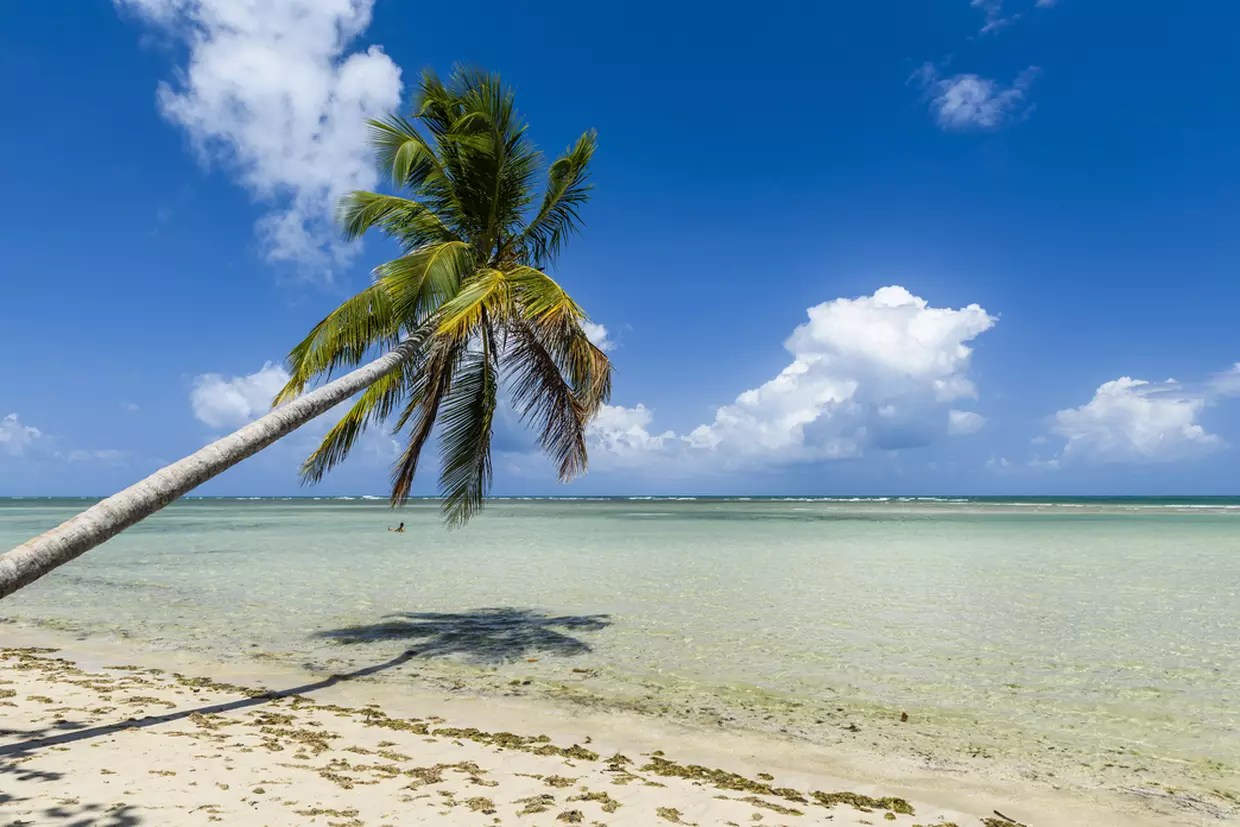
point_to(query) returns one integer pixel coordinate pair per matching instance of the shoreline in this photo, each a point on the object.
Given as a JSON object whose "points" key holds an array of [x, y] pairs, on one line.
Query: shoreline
{"points": [[65, 731]]}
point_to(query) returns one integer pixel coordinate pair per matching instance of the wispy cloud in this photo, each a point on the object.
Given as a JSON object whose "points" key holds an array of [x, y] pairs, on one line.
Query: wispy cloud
{"points": [[19, 440], [271, 91], [963, 423], [1227, 383], [995, 17], [108, 455], [969, 101]]}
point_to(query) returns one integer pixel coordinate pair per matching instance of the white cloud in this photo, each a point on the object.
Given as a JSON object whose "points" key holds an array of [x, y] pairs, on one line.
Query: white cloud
{"points": [[968, 101], [225, 403], [15, 437], [876, 371], [270, 91], [1046, 4], [1227, 383], [129, 406], [1134, 421], [623, 432], [962, 423], [597, 334]]}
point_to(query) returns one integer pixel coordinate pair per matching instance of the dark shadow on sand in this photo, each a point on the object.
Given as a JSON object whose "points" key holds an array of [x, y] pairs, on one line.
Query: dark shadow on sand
{"points": [[484, 636], [70, 812]]}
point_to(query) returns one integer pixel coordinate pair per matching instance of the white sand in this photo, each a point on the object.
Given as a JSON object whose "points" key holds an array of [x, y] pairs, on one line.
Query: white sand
{"points": [[84, 744]]}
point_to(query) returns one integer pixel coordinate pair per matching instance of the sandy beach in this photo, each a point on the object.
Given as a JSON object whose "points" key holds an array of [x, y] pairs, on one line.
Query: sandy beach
{"points": [[94, 733]]}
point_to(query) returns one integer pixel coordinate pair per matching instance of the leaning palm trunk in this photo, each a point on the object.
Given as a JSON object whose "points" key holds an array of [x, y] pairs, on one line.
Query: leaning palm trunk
{"points": [[31, 560]]}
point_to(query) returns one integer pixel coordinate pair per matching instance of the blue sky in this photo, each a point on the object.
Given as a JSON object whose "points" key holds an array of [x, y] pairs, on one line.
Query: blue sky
{"points": [[836, 248]]}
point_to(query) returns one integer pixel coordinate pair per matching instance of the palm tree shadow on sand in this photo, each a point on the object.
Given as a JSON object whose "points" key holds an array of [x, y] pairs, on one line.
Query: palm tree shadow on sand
{"points": [[481, 636], [77, 814]]}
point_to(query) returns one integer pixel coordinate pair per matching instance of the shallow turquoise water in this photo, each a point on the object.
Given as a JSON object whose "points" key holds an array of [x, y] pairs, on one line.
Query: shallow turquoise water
{"points": [[1092, 626]]}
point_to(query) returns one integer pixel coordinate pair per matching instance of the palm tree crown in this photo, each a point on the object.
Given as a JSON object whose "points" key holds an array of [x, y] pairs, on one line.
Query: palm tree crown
{"points": [[469, 291]]}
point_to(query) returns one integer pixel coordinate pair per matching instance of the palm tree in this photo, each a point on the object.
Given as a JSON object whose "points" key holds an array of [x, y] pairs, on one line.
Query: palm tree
{"points": [[466, 313]]}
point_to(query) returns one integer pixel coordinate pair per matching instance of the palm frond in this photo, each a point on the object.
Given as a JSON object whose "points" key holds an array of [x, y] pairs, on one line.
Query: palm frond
{"points": [[435, 105], [472, 123], [345, 337], [557, 319], [402, 152], [374, 405], [590, 370], [486, 289], [411, 223], [465, 449], [426, 277], [422, 409], [568, 189], [545, 399], [420, 165], [539, 296], [586, 367]]}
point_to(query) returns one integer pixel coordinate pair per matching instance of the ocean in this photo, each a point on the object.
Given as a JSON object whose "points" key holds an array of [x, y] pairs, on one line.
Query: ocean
{"points": [[1091, 640]]}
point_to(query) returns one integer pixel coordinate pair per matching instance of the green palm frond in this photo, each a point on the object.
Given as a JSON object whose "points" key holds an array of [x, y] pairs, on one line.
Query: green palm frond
{"points": [[486, 289], [482, 142], [419, 282], [410, 223], [374, 405], [436, 106], [465, 449], [568, 189], [422, 410], [539, 295], [413, 162], [344, 338], [403, 153]]}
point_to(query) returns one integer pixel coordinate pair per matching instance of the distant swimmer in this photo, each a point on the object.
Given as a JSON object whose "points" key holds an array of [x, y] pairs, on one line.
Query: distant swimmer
{"points": [[400, 529]]}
